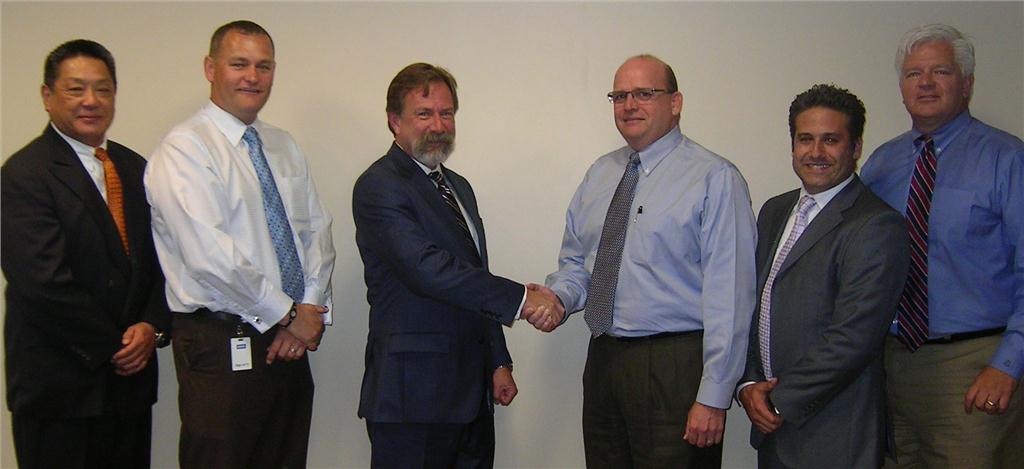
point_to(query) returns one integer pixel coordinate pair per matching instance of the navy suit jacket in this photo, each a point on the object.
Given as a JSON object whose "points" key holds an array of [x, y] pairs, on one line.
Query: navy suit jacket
{"points": [[71, 289], [832, 302], [435, 337]]}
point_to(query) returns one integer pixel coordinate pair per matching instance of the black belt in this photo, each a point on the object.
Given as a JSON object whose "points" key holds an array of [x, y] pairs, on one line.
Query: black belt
{"points": [[218, 315], [660, 335], [948, 339]]}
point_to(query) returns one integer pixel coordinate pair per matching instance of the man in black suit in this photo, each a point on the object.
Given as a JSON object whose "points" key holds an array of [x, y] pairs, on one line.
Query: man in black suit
{"points": [[436, 354], [85, 300], [831, 261]]}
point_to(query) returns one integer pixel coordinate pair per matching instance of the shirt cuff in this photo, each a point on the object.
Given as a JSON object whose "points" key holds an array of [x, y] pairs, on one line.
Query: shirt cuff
{"points": [[522, 303]]}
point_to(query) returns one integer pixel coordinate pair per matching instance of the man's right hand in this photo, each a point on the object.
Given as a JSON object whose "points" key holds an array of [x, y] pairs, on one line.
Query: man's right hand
{"points": [[543, 309], [760, 411], [308, 325]]}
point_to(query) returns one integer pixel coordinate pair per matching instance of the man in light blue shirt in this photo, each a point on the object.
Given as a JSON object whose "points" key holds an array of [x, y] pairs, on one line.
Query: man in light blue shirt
{"points": [[952, 393], [659, 379]]}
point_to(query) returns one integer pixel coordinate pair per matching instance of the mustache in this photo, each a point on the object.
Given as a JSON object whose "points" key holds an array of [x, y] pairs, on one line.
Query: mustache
{"points": [[444, 137]]}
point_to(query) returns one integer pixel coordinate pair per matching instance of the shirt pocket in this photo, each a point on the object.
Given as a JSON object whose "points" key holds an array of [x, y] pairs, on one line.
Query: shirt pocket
{"points": [[295, 197], [959, 214]]}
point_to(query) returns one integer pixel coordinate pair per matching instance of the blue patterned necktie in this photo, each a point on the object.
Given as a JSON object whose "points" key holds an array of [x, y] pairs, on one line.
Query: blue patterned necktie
{"points": [[277, 220], [764, 318], [605, 277]]}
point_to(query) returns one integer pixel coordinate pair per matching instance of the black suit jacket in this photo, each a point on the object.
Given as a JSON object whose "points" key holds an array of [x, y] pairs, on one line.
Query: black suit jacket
{"points": [[832, 302], [71, 289], [435, 336]]}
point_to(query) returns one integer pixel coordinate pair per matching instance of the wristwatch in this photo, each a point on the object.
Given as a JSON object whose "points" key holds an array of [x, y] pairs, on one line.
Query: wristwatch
{"points": [[292, 313]]}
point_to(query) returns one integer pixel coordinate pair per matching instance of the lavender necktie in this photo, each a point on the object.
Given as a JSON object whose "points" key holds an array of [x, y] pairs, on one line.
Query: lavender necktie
{"points": [[764, 321]]}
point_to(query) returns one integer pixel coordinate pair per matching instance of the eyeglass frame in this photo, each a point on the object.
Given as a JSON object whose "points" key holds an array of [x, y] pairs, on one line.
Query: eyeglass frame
{"points": [[623, 94]]}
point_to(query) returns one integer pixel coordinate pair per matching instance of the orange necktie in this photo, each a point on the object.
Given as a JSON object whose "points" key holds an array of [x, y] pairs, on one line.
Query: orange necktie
{"points": [[115, 198]]}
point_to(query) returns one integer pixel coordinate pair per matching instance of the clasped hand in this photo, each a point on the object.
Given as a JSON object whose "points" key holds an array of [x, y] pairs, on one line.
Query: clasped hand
{"points": [[304, 333], [542, 309]]}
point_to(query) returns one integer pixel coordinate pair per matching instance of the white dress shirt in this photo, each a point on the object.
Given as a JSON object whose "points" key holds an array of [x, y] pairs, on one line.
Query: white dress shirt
{"points": [[87, 154], [209, 224]]}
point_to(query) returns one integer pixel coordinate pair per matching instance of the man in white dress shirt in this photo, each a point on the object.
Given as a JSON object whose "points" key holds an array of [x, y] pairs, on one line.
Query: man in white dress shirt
{"points": [[246, 247]]}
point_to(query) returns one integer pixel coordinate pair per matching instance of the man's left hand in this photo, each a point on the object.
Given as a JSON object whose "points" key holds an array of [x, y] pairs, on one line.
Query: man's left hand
{"points": [[990, 392], [504, 386], [704, 426], [138, 343]]}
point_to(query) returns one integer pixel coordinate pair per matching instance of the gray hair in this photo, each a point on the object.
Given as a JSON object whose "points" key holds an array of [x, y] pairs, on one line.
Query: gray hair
{"points": [[963, 50]]}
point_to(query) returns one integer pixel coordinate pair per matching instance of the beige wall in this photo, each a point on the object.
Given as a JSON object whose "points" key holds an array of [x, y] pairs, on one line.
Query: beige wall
{"points": [[532, 82]]}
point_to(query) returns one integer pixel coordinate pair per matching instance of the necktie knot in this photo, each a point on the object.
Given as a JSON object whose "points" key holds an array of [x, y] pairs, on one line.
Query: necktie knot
{"points": [[805, 206], [251, 136], [101, 154], [437, 177]]}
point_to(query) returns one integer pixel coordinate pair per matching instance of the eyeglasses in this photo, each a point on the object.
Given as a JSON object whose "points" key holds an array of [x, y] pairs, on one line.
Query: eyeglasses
{"points": [[642, 95]]}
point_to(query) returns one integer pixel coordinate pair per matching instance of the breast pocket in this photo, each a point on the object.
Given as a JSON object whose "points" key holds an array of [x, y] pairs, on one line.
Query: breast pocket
{"points": [[295, 197], [660, 233], [964, 214]]}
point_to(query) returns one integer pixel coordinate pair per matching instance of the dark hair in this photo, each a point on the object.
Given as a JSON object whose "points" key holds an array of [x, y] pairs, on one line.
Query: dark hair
{"points": [[242, 26], [832, 97], [72, 49], [418, 75]]}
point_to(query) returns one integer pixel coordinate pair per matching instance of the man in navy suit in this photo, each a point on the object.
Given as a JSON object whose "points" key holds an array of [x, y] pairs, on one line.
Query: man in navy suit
{"points": [[85, 301], [435, 355]]}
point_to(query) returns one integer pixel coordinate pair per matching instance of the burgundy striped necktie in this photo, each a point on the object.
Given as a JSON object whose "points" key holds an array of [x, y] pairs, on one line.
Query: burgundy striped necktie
{"points": [[912, 312]]}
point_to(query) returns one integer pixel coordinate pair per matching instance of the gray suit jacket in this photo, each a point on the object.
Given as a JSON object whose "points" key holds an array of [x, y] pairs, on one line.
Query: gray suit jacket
{"points": [[833, 300]]}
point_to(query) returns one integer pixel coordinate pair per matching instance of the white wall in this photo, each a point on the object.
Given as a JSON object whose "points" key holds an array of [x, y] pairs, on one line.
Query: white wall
{"points": [[532, 81]]}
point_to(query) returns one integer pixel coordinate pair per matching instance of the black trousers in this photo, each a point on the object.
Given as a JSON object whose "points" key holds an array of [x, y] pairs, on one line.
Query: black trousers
{"points": [[637, 395], [257, 418], [106, 441], [433, 445]]}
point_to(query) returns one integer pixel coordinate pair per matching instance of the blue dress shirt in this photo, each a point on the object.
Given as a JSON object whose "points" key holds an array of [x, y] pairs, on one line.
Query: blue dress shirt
{"points": [[688, 260], [976, 228]]}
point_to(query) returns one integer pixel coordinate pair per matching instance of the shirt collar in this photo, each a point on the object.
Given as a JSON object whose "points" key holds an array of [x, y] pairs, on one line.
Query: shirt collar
{"points": [[942, 137], [824, 197], [657, 151], [229, 125], [79, 147]]}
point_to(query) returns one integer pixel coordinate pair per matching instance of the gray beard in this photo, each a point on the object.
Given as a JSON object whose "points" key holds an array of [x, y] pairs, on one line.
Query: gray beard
{"points": [[433, 158]]}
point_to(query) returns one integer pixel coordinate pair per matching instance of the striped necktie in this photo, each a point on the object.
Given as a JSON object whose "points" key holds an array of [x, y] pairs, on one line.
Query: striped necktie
{"points": [[912, 312], [449, 200]]}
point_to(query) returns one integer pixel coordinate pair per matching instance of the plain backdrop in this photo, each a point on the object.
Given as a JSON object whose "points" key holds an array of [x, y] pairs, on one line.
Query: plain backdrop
{"points": [[532, 82]]}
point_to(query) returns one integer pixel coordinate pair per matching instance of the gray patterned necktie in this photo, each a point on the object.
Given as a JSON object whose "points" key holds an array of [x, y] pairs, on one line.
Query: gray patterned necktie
{"points": [[604, 279], [764, 321], [277, 220]]}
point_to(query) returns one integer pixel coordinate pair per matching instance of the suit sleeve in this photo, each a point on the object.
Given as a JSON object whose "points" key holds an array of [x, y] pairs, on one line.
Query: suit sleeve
{"points": [[34, 253], [387, 224], [871, 271]]}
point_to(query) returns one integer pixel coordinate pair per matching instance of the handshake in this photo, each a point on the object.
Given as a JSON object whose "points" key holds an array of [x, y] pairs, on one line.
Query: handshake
{"points": [[542, 308]]}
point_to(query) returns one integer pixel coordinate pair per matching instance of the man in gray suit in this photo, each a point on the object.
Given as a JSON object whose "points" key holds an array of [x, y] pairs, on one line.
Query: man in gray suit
{"points": [[831, 260]]}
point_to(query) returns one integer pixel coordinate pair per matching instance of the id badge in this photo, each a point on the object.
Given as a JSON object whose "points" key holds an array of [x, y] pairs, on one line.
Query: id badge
{"points": [[241, 354]]}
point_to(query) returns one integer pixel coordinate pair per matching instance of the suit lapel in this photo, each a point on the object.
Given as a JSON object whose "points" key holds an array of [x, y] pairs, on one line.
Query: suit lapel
{"points": [[775, 225], [828, 218], [426, 192], [67, 168]]}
